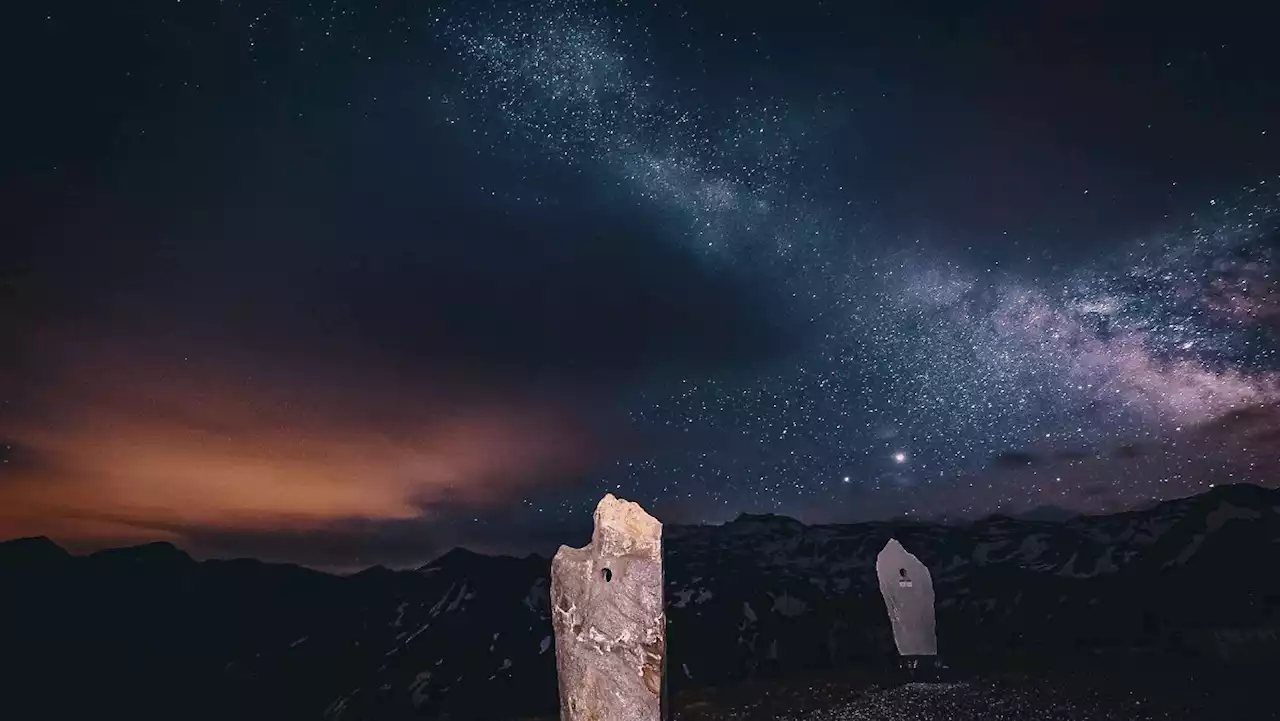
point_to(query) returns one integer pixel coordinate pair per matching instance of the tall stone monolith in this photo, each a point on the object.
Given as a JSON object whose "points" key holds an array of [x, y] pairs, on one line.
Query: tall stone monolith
{"points": [[907, 588], [607, 612]]}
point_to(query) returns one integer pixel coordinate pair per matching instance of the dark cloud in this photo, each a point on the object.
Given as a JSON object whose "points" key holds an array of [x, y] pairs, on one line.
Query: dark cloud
{"points": [[356, 327], [1244, 420], [1130, 450], [1016, 459], [608, 304], [321, 247], [1244, 287]]}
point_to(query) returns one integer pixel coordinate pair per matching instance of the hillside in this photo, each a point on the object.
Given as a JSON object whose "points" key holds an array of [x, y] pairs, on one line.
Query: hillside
{"points": [[152, 633]]}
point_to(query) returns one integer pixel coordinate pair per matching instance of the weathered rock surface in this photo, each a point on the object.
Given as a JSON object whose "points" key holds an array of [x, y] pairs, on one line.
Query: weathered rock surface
{"points": [[907, 588], [607, 614]]}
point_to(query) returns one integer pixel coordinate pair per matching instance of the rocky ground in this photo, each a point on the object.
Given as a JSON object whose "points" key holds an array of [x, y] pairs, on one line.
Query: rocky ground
{"points": [[1134, 695], [1110, 691]]}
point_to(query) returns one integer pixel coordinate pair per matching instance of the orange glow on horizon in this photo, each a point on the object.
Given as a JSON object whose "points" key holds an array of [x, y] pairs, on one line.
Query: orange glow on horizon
{"points": [[124, 453]]}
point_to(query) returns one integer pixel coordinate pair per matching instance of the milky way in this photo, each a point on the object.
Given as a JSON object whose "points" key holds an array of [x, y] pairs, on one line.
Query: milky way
{"points": [[922, 366], [833, 260], [566, 77]]}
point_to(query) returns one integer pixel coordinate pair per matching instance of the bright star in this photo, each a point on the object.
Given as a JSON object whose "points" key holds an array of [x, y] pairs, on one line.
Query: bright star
{"points": [[899, 457]]}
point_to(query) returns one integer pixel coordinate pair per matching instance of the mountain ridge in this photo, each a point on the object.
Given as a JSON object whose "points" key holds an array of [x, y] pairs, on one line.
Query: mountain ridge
{"points": [[1043, 513], [469, 635]]}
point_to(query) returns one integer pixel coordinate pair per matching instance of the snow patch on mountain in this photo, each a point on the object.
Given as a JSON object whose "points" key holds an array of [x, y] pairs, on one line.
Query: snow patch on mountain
{"points": [[419, 690], [788, 605], [982, 552], [537, 598], [1225, 512]]}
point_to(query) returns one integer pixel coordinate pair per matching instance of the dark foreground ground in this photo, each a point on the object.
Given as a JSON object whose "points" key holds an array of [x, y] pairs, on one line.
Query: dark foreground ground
{"points": [[1135, 693], [1081, 619]]}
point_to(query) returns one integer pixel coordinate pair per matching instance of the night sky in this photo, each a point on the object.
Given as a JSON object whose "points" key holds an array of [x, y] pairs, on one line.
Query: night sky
{"points": [[349, 282]]}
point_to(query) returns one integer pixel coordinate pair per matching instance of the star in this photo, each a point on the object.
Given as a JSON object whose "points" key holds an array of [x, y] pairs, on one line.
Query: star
{"points": [[779, 305]]}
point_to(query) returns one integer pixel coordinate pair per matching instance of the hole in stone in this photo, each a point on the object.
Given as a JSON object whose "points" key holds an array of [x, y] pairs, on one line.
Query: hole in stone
{"points": [[902, 572], [606, 574]]}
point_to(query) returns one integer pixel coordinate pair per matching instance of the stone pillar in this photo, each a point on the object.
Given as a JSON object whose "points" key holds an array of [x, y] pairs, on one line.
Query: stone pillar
{"points": [[907, 588], [607, 612]]}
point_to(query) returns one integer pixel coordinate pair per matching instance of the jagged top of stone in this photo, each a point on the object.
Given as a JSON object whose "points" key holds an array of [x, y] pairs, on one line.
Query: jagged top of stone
{"points": [[623, 528], [893, 546], [895, 552], [894, 555]]}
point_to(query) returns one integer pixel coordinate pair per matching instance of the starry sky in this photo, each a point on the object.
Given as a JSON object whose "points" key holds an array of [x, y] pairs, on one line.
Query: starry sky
{"points": [[346, 283]]}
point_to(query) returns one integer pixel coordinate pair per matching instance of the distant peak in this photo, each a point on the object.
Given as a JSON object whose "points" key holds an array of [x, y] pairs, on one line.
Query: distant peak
{"points": [[764, 518], [156, 547], [454, 557], [458, 553], [376, 571], [30, 542], [466, 558], [156, 551], [1245, 492], [31, 549], [1047, 513]]}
